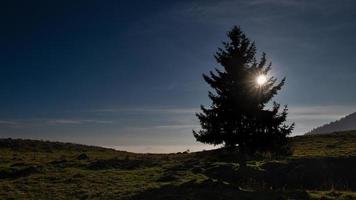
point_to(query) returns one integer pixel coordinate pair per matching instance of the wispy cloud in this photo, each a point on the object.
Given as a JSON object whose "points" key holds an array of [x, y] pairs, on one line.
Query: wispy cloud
{"points": [[5, 122], [276, 2], [159, 128], [178, 126], [326, 112], [160, 110], [77, 121], [63, 121], [10, 124], [35, 121]]}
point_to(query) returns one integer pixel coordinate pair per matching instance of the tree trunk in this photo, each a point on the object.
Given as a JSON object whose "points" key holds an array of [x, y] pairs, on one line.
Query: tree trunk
{"points": [[243, 161], [242, 157]]}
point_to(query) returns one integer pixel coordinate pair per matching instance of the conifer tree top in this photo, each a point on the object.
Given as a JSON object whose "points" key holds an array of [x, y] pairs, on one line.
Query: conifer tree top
{"points": [[237, 116]]}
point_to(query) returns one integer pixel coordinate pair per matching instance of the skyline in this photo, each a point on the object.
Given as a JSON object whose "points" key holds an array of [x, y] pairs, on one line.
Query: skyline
{"points": [[98, 73]]}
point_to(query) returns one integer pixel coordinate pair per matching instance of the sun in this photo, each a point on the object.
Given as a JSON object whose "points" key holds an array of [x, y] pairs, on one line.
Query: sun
{"points": [[261, 79]]}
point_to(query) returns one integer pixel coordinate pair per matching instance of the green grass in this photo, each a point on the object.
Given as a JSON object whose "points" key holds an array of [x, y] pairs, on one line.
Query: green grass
{"points": [[328, 145], [322, 167]]}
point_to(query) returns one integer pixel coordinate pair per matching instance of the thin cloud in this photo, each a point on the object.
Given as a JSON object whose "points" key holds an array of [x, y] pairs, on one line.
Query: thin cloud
{"points": [[63, 121], [97, 121], [76, 121], [159, 110], [177, 126], [331, 110], [276, 2], [158, 128], [8, 122]]}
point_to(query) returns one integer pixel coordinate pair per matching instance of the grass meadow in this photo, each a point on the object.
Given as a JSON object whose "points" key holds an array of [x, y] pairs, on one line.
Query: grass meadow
{"points": [[321, 167]]}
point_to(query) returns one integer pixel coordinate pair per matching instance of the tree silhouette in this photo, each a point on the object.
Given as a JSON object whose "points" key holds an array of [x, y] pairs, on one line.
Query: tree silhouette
{"points": [[238, 117]]}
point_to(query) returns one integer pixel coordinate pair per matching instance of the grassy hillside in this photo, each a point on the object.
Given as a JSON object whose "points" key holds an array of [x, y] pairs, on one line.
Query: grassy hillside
{"points": [[322, 167], [325, 145]]}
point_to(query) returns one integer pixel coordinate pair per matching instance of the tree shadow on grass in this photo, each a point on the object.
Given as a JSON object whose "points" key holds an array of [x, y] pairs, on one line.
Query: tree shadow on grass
{"points": [[312, 173], [214, 190], [272, 180], [306, 173], [275, 180]]}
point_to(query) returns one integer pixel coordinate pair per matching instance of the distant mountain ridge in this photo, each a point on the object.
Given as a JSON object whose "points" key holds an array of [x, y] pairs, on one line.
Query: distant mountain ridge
{"points": [[344, 124]]}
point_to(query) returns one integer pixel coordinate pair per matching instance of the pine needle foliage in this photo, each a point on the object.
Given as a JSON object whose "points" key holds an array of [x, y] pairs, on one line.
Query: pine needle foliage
{"points": [[239, 117]]}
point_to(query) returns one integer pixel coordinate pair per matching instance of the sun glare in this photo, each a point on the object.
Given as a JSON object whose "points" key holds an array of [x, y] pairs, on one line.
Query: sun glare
{"points": [[261, 79]]}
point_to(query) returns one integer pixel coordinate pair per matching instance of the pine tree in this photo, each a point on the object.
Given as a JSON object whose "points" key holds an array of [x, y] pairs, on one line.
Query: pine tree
{"points": [[238, 117]]}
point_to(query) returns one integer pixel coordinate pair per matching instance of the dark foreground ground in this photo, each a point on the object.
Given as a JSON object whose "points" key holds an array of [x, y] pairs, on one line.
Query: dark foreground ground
{"points": [[322, 167]]}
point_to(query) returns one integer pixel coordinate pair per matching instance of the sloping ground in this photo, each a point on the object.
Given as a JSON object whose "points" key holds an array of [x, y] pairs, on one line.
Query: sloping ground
{"points": [[341, 144], [346, 123], [322, 167]]}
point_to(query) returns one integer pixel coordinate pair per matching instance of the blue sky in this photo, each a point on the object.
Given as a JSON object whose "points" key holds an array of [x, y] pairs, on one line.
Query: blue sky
{"points": [[127, 74]]}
